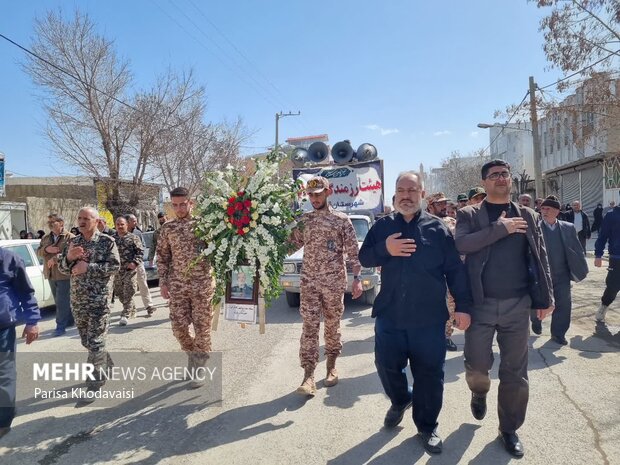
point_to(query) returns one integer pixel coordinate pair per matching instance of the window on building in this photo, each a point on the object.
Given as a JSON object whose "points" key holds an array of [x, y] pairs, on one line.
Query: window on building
{"points": [[551, 140], [587, 123], [566, 132]]}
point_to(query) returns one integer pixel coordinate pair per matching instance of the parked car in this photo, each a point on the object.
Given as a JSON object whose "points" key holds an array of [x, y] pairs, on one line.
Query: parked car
{"points": [[371, 277], [26, 249], [150, 267]]}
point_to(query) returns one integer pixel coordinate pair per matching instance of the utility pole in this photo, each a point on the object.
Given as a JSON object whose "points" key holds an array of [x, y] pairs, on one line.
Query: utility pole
{"points": [[540, 190], [282, 115]]}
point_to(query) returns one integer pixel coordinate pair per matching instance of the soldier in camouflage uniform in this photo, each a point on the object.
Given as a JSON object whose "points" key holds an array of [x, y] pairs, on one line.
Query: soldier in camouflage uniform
{"points": [[91, 259], [131, 251], [188, 285], [437, 205], [327, 237], [161, 218]]}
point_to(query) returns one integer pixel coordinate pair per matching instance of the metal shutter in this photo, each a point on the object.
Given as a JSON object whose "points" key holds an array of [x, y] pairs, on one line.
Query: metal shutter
{"points": [[570, 188], [591, 189]]}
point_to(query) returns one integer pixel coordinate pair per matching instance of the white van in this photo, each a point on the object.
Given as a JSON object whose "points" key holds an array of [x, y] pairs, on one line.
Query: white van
{"points": [[26, 249]]}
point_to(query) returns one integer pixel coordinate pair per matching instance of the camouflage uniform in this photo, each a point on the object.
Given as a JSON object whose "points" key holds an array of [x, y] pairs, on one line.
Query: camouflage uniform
{"points": [[130, 250], [89, 295], [190, 285], [327, 237], [451, 224]]}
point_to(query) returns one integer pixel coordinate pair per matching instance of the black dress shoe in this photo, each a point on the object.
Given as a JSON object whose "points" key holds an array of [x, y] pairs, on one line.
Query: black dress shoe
{"points": [[432, 442], [560, 340], [537, 327], [450, 345], [512, 444], [394, 415], [478, 407]]}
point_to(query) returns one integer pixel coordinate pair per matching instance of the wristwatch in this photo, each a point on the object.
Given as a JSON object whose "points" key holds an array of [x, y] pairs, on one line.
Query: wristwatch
{"points": [[357, 278]]}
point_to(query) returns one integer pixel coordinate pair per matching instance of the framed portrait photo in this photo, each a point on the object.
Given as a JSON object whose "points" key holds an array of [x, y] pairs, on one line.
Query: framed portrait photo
{"points": [[242, 286]]}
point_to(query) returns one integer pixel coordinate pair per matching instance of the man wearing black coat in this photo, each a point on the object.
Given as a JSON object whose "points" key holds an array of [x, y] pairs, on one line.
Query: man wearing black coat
{"points": [[581, 222], [509, 274], [417, 256]]}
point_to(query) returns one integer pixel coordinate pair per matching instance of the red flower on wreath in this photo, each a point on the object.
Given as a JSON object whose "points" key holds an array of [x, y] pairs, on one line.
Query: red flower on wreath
{"points": [[239, 212]]}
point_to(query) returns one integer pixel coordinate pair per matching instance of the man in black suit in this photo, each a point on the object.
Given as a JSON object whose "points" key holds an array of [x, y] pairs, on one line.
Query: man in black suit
{"points": [[509, 274], [567, 263], [581, 222]]}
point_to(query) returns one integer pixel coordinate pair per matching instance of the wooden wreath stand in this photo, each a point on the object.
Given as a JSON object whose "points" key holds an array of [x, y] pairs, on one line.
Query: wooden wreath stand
{"points": [[261, 314]]}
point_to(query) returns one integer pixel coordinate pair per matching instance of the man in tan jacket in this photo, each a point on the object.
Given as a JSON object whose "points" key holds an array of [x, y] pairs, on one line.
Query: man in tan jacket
{"points": [[52, 244]]}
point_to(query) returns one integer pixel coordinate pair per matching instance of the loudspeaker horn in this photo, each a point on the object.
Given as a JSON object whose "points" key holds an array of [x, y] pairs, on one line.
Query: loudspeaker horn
{"points": [[299, 157], [318, 152], [342, 152], [366, 152]]}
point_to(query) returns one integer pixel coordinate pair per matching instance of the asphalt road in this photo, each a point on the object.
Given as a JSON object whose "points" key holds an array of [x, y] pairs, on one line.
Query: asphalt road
{"points": [[573, 416]]}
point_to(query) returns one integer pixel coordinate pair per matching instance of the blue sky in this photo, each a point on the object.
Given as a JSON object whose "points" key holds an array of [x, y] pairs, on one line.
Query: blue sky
{"points": [[413, 78]]}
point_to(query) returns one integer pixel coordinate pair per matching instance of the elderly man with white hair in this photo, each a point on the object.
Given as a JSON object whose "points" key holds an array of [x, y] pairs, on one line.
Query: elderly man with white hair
{"points": [[91, 259]]}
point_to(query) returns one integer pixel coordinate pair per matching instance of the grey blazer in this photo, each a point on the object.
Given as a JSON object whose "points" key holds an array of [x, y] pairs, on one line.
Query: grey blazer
{"points": [[475, 234], [577, 264]]}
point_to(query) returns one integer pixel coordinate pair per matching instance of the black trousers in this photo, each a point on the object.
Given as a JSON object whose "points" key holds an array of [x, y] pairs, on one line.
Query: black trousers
{"points": [[560, 318], [424, 349], [612, 282]]}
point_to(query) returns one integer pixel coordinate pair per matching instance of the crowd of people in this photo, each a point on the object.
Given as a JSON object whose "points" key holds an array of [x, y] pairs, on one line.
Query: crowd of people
{"points": [[483, 264]]}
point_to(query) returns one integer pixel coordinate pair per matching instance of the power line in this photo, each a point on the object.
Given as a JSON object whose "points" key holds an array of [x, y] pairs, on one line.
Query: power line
{"points": [[566, 78], [239, 52], [62, 70], [507, 122], [233, 65], [253, 66], [256, 88], [566, 127]]}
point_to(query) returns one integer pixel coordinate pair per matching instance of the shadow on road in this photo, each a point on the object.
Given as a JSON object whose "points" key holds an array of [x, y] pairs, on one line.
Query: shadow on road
{"points": [[155, 423], [408, 451], [493, 453]]}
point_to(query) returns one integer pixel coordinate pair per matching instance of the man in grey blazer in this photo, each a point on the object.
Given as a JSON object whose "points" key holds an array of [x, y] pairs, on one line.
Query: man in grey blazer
{"points": [[566, 261], [509, 274]]}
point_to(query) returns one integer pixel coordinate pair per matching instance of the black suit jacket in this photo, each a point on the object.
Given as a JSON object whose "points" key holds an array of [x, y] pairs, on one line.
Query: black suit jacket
{"points": [[475, 234], [570, 217]]}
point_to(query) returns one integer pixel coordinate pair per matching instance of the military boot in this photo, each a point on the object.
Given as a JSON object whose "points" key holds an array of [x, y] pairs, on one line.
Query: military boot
{"points": [[307, 388], [199, 361], [332, 375]]}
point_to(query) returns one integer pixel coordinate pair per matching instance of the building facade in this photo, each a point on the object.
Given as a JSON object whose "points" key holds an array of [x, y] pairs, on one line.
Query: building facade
{"points": [[580, 149]]}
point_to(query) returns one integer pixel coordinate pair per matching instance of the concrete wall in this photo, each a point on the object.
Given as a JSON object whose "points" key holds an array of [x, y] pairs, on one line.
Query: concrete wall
{"points": [[66, 195], [40, 207]]}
